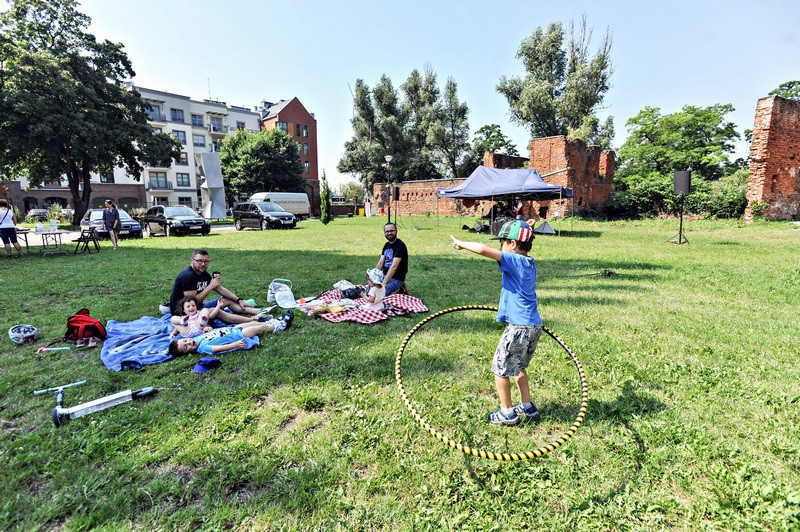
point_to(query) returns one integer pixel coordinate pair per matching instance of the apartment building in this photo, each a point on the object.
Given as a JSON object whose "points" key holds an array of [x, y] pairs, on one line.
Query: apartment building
{"points": [[199, 125], [292, 117]]}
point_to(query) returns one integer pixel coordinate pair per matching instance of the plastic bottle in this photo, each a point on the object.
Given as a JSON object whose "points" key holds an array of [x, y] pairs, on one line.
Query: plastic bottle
{"points": [[53, 224]]}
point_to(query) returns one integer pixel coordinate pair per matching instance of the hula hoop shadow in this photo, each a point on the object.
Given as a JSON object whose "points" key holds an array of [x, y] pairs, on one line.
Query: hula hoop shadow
{"points": [[466, 449]]}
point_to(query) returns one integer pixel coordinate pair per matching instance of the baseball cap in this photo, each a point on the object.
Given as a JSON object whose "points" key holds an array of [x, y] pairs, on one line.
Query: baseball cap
{"points": [[515, 230], [204, 365]]}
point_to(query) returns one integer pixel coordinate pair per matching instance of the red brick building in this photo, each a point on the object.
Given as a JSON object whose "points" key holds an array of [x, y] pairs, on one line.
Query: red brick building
{"points": [[775, 159], [294, 119], [587, 170]]}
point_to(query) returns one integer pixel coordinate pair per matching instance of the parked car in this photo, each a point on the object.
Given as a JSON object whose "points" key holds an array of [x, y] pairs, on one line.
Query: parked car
{"points": [[174, 220], [293, 202], [37, 215], [129, 228], [262, 215]]}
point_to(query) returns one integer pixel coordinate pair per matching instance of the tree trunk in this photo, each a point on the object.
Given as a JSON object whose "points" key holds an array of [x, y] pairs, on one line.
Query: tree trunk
{"points": [[80, 198]]}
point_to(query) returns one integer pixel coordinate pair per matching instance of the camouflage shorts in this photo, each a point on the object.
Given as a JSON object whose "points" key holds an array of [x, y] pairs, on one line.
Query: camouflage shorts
{"points": [[515, 350]]}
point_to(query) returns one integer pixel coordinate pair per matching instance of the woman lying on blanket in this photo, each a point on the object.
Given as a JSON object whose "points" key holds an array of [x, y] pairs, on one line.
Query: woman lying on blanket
{"points": [[192, 322], [224, 339]]}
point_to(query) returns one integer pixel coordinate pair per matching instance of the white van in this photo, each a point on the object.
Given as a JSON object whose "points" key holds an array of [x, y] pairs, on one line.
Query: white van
{"points": [[293, 202]]}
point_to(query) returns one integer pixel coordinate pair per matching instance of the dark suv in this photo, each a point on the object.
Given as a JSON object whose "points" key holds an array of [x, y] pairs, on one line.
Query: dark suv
{"points": [[174, 220], [262, 215]]}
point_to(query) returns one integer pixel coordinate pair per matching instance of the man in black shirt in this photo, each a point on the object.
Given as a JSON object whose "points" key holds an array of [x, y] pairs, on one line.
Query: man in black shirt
{"points": [[393, 261], [196, 281]]}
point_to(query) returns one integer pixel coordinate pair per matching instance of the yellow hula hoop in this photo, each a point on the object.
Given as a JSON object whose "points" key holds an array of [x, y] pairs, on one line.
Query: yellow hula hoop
{"points": [[538, 453]]}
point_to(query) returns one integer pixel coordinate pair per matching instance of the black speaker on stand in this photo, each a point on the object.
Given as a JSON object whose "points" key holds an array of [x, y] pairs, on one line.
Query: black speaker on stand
{"points": [[683, 187]]}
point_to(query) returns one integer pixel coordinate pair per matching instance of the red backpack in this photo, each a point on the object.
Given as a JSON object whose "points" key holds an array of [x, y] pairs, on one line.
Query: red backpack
{"points": [[81, 325]]}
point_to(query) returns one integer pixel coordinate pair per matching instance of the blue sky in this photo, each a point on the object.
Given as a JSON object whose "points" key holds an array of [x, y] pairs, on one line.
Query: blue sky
{"points": [[665, 54]]}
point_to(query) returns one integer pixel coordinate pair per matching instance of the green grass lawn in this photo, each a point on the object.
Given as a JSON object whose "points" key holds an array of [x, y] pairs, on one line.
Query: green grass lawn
{"points": [[691, 356]]}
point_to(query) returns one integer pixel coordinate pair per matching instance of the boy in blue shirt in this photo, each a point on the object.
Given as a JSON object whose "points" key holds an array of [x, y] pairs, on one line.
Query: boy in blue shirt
{"points": [[224, 339], [518, 309]]}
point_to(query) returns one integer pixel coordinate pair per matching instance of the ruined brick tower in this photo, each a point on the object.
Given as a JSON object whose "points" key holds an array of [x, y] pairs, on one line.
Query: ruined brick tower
{"points": [[775, 159]]}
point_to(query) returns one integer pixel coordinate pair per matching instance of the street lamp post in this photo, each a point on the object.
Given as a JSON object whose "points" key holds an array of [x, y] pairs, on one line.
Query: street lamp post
{"points": [[388, 159]]}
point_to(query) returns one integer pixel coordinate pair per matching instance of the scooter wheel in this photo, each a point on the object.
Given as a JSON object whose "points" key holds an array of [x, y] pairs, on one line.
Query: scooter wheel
{"points": [[56, 417]]}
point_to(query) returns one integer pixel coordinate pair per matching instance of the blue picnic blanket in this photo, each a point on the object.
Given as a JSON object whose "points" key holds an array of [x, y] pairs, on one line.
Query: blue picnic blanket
{"points": [[137, 343]]}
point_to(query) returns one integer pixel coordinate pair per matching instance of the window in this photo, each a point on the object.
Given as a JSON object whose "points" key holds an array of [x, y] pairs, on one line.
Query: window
{"points": [[158, 180], [298, 130], [240, 126], [305, 148], [305, 131], [183, 160], [181, 136], [160, 201], [176, 115], [216, 124], [154, 113], [197, 120], [182, 180], [299, 149], [215, 145], [107, 175], [53, 182], [185, 200], [283, 125], [306, 167], [199, 141]]}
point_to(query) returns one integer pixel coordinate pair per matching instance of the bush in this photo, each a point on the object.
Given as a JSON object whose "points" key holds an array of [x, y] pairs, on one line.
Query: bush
{"points": [[637, 196]]}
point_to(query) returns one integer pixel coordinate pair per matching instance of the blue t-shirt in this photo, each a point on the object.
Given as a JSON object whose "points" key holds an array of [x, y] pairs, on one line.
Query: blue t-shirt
{"points": [[518, 302], [225, 335]]}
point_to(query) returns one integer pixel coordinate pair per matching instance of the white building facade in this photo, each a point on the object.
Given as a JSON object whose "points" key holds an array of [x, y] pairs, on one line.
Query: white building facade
{"points": [[200, 127]]}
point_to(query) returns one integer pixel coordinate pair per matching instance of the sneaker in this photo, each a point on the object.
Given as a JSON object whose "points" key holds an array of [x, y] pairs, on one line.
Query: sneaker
{"points": [[287, 318], [527, 413], [498, 418]]}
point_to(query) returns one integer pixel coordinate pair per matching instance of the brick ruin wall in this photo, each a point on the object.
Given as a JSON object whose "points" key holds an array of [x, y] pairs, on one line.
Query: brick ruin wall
{"points": [[588, 170], [775, 159]]}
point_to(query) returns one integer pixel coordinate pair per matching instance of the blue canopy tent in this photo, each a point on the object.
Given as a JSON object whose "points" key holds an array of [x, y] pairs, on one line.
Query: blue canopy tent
{"points": [[504, 184]]}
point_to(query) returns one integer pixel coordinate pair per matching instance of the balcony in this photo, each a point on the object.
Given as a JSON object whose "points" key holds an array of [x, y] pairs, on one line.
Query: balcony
{"points": [[158, 185], [219, 131], [157, 117]]}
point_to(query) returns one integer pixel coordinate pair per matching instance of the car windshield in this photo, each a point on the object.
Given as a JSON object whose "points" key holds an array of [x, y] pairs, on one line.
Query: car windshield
{"points": [[97, 214], [179, 211], [270, 207]]}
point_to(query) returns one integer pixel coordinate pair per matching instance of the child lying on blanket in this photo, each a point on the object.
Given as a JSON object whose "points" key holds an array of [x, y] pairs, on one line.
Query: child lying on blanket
{"points": [[192, 322], [226, 338]]}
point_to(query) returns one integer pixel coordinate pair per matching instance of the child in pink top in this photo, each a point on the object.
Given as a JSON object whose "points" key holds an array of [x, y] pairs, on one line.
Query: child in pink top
{"points": [[193, 322]]}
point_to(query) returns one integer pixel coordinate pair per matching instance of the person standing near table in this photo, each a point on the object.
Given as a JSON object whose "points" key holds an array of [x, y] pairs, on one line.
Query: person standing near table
{"points": [[8, 228], [111, 221]]}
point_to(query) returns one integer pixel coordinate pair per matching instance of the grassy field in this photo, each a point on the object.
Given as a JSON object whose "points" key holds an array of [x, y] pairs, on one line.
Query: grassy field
{"points": [[691, 355]]}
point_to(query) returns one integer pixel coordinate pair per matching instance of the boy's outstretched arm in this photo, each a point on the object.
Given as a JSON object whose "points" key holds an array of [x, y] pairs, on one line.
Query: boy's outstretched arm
{"points": [[476, 247], [227, 347]]}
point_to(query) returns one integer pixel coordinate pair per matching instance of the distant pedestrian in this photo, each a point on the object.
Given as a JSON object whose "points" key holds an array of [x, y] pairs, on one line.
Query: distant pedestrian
{"points": [[8, 228], [111, 221]]}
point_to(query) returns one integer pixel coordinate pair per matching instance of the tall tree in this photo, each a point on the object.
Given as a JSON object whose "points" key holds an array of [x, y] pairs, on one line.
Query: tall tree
{"points": [[325, 200], [449, 132], [378, 130], [401, 125], [64, 109], [789, 89], [488, 138], [352, 191], [563, 84], [262, 162], [697, 136]]}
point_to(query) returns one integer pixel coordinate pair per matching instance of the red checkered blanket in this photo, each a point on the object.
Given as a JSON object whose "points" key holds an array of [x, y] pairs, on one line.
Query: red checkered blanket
{"points": [[397, 305]]}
